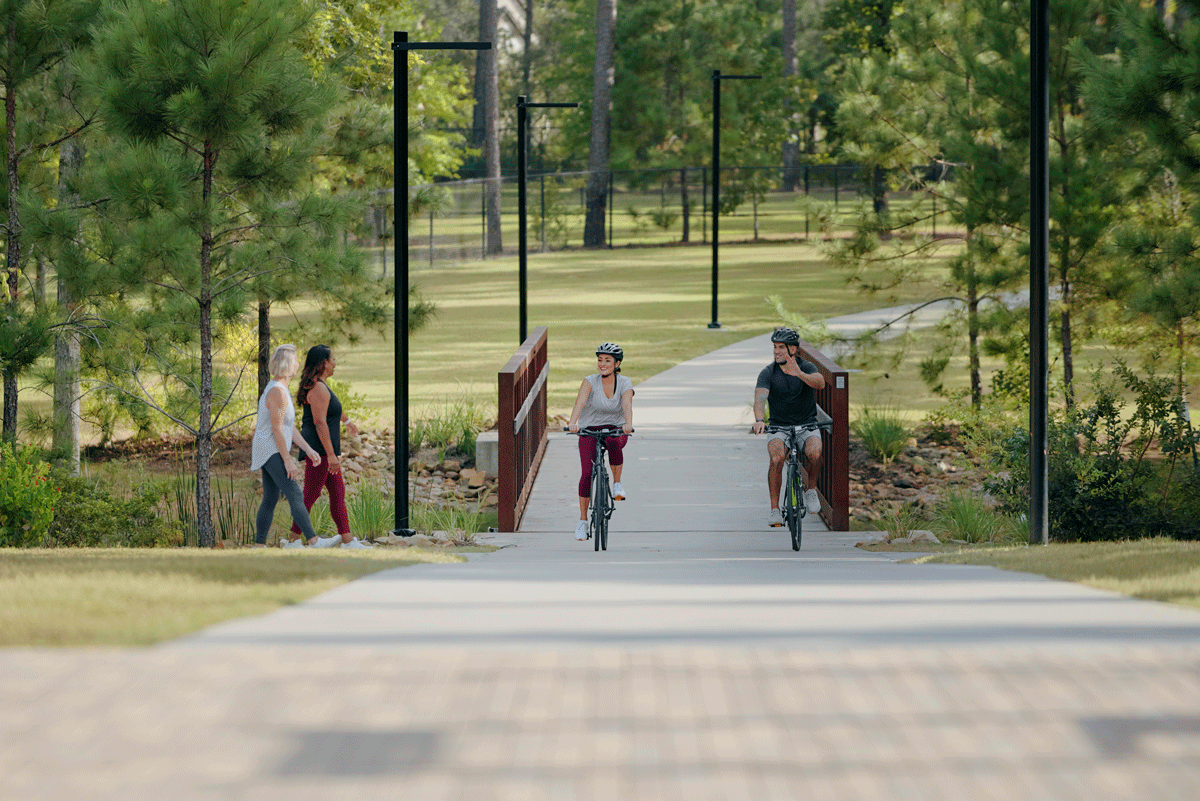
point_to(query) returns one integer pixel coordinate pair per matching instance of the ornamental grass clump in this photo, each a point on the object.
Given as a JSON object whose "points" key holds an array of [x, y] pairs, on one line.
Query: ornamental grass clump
{"points": [[967, 517], [372, 512], [882, 432]]}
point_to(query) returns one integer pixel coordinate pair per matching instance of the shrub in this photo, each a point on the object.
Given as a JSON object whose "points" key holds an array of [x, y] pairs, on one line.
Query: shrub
{"points": [[1101, 486], [882, 433], [27, 497], [90, 516]]}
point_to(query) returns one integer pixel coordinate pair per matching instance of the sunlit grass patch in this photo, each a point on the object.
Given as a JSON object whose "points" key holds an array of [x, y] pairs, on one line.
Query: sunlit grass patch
{"points": [[143, 596], [1157, 569]]}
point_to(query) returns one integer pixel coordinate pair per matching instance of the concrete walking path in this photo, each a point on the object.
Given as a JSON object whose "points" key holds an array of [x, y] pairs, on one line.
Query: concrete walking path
{"points": [[698, 658]]}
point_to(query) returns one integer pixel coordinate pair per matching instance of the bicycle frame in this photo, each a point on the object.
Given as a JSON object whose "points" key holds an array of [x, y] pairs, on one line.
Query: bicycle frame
{"points": [[793, 507]]}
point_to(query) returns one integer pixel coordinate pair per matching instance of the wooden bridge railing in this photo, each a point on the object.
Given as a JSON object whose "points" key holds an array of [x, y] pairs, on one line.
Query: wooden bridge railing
{"points": [[833, 483], [522, 425]]}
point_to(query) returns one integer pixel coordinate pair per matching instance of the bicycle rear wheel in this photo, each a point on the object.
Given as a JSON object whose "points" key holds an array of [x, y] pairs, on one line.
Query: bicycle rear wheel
{"points": [[795, 497], [599, 516]]}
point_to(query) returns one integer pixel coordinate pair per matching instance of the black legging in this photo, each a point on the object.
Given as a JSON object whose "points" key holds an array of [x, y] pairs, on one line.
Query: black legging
{"points": [[275, 483]]}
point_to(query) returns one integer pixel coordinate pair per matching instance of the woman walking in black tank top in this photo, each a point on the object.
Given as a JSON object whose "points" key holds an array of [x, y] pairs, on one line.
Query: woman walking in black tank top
{"points": [[322, 426]]}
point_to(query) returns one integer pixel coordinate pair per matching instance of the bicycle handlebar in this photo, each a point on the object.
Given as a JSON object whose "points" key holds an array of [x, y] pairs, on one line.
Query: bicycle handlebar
{"points": [[826, 424], [598, 432]]}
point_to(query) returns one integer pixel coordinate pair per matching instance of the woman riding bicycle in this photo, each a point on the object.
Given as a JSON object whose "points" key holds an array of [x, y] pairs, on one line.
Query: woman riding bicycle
{"points": [[605, 400]]}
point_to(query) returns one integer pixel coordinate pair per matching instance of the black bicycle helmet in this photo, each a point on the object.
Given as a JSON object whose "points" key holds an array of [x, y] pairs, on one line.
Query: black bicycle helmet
{"points": [[611, 349], [787, 336]]}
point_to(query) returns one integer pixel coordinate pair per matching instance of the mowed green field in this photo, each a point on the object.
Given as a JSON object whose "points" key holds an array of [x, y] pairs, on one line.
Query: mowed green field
{"points": [[654, 302]]}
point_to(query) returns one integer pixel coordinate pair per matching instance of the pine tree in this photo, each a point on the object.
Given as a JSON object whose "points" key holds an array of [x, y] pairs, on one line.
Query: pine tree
{"points": [[1149, 94], [214, 118], [35, 39]]}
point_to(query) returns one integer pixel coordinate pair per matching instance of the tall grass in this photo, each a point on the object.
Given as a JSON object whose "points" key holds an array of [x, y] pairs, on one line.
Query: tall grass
{"points": [[964, 516], [372, 513], [901, 520], [452, 520], [233, 508], [882, 432], [449, 427]]}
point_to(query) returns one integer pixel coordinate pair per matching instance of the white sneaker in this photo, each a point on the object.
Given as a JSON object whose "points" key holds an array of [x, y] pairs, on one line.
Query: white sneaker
{"points": [[284, 542], [326, 542], [618, 492], [812, 501], [581, 530], [356, 543], [775, 519]]}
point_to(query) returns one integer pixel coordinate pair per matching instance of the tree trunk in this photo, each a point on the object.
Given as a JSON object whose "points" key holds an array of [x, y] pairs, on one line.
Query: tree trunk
{"points": [[67, 362], [488, 71], [879, 191], [602, 86], [264, 344], [683, 202], [527, 53], [791, 67], [1068, 356], [13, 246], [973, 339], [67, 346], [479, 112], [204, 521]]}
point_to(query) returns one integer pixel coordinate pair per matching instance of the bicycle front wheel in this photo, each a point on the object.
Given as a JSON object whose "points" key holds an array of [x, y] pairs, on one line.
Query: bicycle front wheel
{"points": [[795, 497], [599, 516]]}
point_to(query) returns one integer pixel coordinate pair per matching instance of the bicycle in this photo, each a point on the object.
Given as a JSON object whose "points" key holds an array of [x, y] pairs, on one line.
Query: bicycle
{"points": [[792, 504], [602, 504]]}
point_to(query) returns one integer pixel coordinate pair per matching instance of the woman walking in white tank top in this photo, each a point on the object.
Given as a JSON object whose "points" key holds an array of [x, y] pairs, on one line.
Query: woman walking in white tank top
{"points": [[271, 451]]}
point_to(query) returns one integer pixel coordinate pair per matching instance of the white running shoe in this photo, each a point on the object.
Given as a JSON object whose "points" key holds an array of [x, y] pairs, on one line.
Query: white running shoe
{"points": [[356, 543], [326, 542], [581, 530], [284, 542], [775, 519], [618, 492], [812, 501]]}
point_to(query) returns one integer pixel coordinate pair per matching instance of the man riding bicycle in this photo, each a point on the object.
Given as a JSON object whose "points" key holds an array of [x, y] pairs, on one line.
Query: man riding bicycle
{"points": [[788, 385]]}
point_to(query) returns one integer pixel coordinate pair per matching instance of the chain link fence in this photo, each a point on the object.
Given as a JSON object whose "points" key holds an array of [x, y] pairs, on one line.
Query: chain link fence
{"points": [[644, 208]]}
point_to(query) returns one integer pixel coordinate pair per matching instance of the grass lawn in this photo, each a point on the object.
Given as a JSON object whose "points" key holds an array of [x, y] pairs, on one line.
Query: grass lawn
{"points": [[654, 302], [1155, 569], [84, 596]]}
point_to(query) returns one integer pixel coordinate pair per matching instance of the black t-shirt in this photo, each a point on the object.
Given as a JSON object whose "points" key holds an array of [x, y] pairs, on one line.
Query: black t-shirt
{"points": [[792, 402]]}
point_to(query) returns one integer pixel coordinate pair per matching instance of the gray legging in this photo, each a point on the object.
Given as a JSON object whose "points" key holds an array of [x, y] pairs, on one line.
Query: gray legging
{"points": [[276, 483]]}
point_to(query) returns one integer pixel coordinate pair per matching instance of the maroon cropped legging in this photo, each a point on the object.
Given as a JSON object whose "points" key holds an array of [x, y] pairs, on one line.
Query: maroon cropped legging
{"points": [[587, 452], [319, 478]]}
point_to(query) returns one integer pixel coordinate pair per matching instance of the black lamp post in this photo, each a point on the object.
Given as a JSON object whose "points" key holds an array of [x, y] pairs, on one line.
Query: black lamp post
{"points": [[717, 77], [400, 48], [1039, 282], [522, 168]]}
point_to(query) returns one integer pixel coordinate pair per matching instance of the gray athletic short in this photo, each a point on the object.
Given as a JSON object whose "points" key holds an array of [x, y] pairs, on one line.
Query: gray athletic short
{"points": [[782, 436]]}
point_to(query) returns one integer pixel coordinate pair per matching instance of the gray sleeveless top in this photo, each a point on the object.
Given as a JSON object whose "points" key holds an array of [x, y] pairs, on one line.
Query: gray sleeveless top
{"points": [[601, 411]]}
